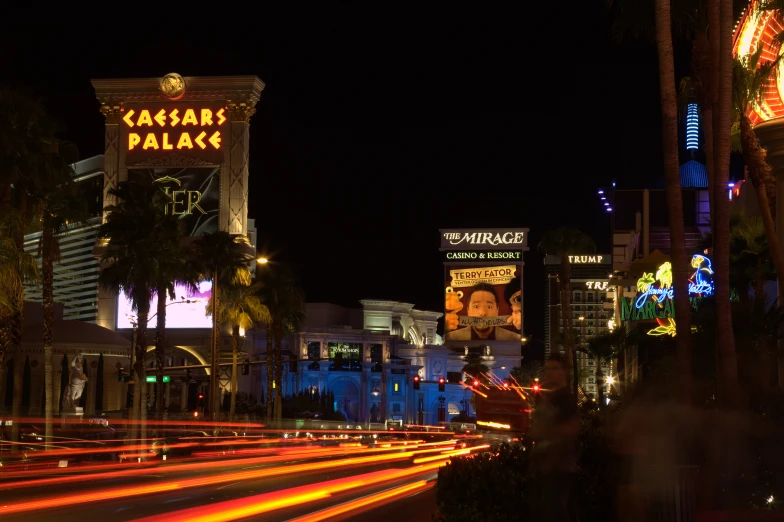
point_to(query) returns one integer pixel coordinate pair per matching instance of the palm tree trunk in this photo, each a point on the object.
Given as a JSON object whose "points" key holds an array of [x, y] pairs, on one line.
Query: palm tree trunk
{"points": [[139, 396], [17, 320], [270, 361], [235, 350], [759, 171], [160, 344], [725, 339], [599, 383], [134, 413], [672, 180], [567, 319], [710, 160], [47, 276]]}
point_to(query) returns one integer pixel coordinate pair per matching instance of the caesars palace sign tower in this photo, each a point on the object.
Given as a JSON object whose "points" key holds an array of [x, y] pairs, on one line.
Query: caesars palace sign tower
{"points": [[191, 135]]}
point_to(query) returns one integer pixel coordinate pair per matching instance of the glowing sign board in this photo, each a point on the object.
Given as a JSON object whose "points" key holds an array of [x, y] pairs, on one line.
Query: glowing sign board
{"points": [[193, 129], [654, 295], [485, 239], [193, 195]]}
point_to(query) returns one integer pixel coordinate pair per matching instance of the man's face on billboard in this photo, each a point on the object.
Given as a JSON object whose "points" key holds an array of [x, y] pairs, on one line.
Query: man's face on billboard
{"points": [[482, 304]]}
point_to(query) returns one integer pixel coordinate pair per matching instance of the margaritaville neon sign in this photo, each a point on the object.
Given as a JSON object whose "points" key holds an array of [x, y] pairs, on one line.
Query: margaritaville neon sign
{"points": [[655, 292], [659, 287]]}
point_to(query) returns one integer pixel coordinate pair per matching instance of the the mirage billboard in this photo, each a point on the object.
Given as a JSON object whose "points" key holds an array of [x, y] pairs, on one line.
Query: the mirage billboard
{"points": [[483, 301]]}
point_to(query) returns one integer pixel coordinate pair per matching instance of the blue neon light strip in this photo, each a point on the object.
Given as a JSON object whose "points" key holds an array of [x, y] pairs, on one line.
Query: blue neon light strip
{"points": [[692, 127]]}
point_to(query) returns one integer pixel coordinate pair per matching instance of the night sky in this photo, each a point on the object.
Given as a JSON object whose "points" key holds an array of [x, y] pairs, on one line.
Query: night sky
{"points": [[369, 138]]}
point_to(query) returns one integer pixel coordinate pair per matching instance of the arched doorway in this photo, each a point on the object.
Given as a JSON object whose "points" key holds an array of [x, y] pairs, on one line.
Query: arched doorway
{"points": [[346, 392]]}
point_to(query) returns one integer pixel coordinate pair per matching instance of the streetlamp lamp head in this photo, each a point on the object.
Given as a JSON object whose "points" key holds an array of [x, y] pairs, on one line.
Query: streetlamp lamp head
{"points": [[262, 260], [582, 318]]}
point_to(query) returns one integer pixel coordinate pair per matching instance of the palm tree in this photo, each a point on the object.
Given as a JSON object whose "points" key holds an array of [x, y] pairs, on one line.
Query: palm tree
{"points": [[750, 79], [135, 234], [564, 242], [527, 373], [27, 136], [60, 204], [286, 304], [749, 257], [225, 264], [725, 339], [475, 368], [17, 267], [241, 307], [175, 266], [672, 180]]}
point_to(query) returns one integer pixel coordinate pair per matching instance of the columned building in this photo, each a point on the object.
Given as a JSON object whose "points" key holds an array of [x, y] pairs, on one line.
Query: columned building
{"points": [[382, 346]]}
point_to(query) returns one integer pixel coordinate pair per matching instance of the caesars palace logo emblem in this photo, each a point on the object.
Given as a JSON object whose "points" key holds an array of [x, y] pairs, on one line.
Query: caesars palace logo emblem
{"points": [[173, 86]]}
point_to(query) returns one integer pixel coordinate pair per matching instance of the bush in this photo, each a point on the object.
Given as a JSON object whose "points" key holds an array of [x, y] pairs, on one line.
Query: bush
{"points": [[484, 486]]}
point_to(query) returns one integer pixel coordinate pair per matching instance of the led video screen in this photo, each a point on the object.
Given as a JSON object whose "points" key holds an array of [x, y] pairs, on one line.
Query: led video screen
{"points": [[187, 310]]}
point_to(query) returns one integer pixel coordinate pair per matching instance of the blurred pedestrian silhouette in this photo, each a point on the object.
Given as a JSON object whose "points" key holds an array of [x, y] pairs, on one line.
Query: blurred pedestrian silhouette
{"points": [[555, 428]]}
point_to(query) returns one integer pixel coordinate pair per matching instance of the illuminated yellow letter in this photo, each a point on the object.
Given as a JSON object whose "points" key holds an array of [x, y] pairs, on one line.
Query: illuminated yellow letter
{"points": [[215, 139], [166, 144], [199, 138], [133, 140], [144, 118], [221, 117], [174, 203], [127, 118], [194, 196], [174, 118], [150, 142], [185, 141], [161, 117], [206, 117], [190, 117]]}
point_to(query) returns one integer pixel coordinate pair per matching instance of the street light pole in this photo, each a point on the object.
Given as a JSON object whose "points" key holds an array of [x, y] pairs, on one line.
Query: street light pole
{"points": [[214, 404]]}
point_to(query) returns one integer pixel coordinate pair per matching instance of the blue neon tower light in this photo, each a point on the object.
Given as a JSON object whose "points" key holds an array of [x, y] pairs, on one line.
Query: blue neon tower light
{"points": [[692, 127]]}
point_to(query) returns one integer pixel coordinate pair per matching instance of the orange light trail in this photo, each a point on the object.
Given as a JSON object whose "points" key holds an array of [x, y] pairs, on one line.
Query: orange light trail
{"points": [[376, 499], [258, 504], [64, 500]]}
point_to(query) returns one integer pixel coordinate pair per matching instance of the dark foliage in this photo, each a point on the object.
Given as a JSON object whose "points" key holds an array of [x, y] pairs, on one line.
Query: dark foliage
{"points": [[306, 404], [485, 486]]}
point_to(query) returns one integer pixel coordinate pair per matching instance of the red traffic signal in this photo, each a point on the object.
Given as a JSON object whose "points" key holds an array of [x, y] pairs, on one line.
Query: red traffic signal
{"points": [[506, 385], [416, 382], [536, 387], [441, 382], [476, 382]]}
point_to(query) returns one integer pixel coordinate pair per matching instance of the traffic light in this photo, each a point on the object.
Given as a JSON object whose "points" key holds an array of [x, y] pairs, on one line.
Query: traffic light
{"points": [[506, 385], [441, 383], [201, 400], [416, 382], [124, 377], [475, 383], [536, 387], [246, 367]]}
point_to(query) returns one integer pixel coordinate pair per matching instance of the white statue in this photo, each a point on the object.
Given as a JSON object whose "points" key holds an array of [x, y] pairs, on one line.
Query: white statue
{"points": [[75, 387]]}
